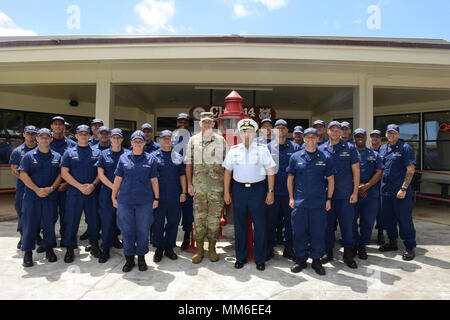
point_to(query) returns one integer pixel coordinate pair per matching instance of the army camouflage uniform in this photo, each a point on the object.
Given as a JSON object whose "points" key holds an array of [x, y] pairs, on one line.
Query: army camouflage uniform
{"points": [[206, 155]]}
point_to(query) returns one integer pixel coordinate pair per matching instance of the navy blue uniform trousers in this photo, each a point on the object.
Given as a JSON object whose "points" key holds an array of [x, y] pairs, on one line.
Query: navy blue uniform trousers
{"points": [[37, 213], [18, 200], [367, 209], [398, 211], [187, 208], [75, 204], [108, 217], [279, 211], [165, 226], [343, 212], [309, 222], [134, 222], [244, 200]]}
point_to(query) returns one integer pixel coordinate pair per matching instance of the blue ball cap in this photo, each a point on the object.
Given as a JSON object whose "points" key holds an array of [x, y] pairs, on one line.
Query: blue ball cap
{"points": [[345, 124], [334, 123], [104, 129], [266, 120], [298, 129], [83, 128], [97, 121], [393, 127], [138, 134], [67, 124], [147, 126], [321, 122], [30, 129], [44, 131], [378, 132], [281, 122], [165, 133], [116, 131], [57, 118], [183, 116], [311, 130], [358, 131]]}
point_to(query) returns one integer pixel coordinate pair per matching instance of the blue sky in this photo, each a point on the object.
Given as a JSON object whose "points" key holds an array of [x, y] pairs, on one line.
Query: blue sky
{"points": [[368, 18]]}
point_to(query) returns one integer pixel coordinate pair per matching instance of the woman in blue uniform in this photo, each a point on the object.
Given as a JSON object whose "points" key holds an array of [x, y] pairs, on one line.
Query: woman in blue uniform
{"points": [[135, 194], [173, 189], [106, 165], [40, 172]]}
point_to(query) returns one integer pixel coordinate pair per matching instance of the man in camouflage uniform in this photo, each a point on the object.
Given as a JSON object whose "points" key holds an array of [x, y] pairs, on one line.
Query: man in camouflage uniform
{"points": [[204, 156]]}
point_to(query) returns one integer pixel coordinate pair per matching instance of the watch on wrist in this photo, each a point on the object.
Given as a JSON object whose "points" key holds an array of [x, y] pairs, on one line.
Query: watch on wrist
{"points": [[51, 187], [157, 199], [403, 188], [328, 199]]}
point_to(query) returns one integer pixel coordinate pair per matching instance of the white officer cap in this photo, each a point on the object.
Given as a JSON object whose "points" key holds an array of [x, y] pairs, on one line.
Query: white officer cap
{"points": [[247, 124]]}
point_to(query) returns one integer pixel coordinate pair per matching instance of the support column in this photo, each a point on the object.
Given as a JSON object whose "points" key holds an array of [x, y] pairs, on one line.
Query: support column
{"points": [[104, 101], [363, 104]]}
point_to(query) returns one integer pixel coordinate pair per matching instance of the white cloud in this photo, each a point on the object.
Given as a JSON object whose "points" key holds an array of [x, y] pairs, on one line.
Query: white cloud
{"points": [[244, 8], [272, 4], [9, 29], [155, 16]]}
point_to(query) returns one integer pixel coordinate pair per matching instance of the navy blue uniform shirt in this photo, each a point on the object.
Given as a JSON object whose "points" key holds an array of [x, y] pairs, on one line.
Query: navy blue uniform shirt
{"points": [[43, 169], [62, 145], [16, 156], [310, 184], [344, 156], [136, 171], [395, 160], [169, 171], [108, 160], [369, 162], [81, 163], [283, 152]]}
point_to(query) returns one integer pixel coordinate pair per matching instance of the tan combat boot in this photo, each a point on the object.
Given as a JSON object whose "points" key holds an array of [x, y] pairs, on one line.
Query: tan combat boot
{"points": [[213, 256], [198, 257]]}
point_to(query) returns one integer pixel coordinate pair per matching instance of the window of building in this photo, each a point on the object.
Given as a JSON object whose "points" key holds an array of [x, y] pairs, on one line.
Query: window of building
{"points": [[436, 144], [292, 123], [170, 123], [409, 129]]}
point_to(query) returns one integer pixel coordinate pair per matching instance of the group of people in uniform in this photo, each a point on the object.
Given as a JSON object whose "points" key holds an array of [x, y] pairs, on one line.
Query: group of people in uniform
{"points": [[303, 189]]}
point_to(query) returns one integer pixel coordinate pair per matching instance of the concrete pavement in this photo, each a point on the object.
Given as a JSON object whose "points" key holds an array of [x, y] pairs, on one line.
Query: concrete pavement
{"points": [[382, 276]]}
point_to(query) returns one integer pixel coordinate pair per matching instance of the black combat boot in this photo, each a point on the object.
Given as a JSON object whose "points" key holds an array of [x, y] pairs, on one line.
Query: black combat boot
{"points": [[168, 252], [318, 268], [186, 240], [141, 263], [328, 256], [129, 265], [391, 246], [50, 255], [348, 258], [95, 249], [408, 254], [362, 252], [299, 265], [28, 259], [104, 256], [158, 254], [70, 255]]}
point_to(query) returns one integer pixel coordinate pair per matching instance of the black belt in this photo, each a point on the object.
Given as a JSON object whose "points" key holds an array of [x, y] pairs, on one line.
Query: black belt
{"points": [[249, 185]]}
